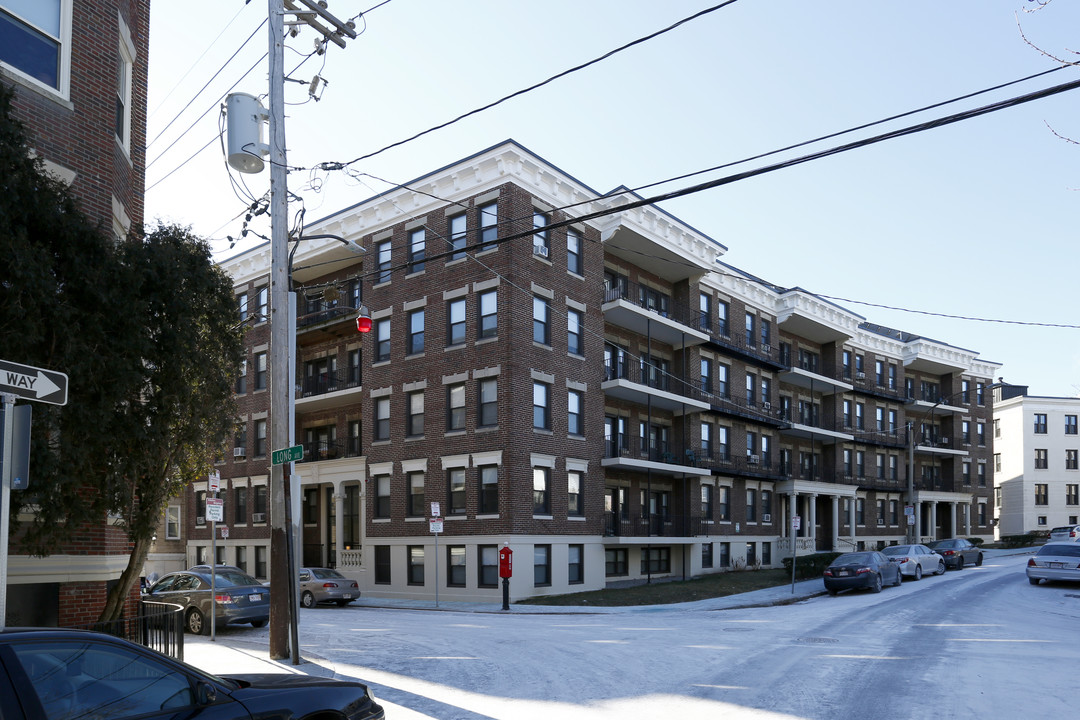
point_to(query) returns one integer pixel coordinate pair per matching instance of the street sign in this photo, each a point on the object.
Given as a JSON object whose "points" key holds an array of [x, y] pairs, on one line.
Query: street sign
{"points": [[215, 509], [796, 522], [33, 383], [436, 525], [214, 484], [435, 512], [292, 454], [224, 532]]}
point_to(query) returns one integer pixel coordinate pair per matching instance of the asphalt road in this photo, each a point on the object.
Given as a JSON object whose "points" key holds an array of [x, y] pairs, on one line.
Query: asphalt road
{"points": [[980, 642]]}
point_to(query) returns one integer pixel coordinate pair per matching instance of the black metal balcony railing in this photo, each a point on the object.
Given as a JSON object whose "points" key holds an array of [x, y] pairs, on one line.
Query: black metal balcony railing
{"points": [[656, 378], [327, 382], [810, 419], [745, 408], [631, 446], [307, 318], [870, 384], [322, 450], [646, 298]]}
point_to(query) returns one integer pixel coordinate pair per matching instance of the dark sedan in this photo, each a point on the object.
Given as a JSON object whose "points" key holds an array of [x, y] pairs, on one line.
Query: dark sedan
{"points": [[236, 598], [957, 552], [868, 570], [69, 674]]}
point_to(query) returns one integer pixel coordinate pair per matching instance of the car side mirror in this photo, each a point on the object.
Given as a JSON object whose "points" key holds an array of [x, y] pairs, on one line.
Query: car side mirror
{"points": [[206, 693]]}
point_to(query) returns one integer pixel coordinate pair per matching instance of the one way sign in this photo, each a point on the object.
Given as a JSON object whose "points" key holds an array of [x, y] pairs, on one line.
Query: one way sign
{"points": [[33, 383]]}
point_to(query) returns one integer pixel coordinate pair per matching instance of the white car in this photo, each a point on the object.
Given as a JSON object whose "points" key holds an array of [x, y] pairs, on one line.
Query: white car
{"points": [[915, 560], [1066, 533], [1055, 561]]}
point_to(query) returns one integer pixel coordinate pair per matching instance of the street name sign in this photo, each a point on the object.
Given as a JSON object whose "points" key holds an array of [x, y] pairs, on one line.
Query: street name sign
{"points": [[215, 509], [292, 454], [33, 383]]}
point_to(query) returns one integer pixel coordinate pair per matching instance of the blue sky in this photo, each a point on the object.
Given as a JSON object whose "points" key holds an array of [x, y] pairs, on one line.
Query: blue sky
{"points": [[974, 220]]}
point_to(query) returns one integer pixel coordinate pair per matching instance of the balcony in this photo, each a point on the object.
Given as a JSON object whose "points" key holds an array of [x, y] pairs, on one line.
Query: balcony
{"points": [[870, 384], [810, 425], [763, 412], [806, 376], [317, 450], [627, 381], [327, 322], [671, 323], [885, 438], [628, 453], [741, 464], [326, 390], [662, 525]]}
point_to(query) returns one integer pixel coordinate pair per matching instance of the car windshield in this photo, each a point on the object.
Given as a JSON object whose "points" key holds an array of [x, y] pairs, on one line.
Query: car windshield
{"points": [[1071, 550], [323, 574], [854, 559], [229, 578], [897, 550]]}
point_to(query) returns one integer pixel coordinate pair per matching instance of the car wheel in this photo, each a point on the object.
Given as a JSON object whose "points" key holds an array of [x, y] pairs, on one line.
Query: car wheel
{"points": [[960, 563], [978, 561], [196, 624], [876, 587], [899, 577], [918, 571], [940, 568], [258, 623], [1033, 581], [307, 600]]}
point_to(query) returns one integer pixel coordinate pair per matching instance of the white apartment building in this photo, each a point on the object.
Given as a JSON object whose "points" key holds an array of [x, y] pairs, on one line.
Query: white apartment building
{"points": [[1036, 461]]}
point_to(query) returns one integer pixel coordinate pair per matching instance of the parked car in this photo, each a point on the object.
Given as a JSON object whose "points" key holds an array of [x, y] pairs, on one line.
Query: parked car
{"points": [[323, 585], [869, 569], [915, 560], [957, 552], [238, 598], [54, 673], [1066, 533], [1055, 561]]}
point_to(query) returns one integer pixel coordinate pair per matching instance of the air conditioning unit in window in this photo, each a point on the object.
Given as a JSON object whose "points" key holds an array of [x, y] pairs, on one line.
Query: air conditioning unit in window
{"points": [[766, 518], [881, 522], [258, 517], [238, 452], [753, 459], [766, 405], [860, 376], [541, 250], [200, 520]]}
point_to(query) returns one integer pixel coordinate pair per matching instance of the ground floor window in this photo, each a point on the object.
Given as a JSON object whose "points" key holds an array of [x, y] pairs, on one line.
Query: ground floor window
{"points": [[655, 560], [541, 565], [766, 553], [725, 554], [241, 558], [751, 554], [455, 566], [706, 555], [489, 565], [260, 561], [382, 564], [416, 565], [576, 564], [616, 562]]}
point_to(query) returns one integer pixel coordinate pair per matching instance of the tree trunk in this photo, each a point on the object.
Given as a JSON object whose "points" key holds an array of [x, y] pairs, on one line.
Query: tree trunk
{"points": [[114, 603]]}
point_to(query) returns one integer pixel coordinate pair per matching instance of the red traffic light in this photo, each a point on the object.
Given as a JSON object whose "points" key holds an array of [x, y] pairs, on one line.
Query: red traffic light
{"points": [[363, 321]]}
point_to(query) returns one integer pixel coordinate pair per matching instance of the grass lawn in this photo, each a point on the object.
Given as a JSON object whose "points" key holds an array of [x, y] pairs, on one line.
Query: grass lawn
{"points": [[672, 591]]}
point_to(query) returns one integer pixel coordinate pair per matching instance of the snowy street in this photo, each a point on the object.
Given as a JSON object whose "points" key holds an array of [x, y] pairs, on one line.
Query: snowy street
{"points": [[975, 642]]}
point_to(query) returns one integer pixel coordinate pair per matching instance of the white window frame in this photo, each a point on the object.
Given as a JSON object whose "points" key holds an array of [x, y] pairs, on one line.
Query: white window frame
{"points": [[64, 69]]}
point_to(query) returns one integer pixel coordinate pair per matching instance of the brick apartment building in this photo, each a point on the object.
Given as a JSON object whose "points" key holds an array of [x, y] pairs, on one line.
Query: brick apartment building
{"points": [[79, 71], [606, 396]]}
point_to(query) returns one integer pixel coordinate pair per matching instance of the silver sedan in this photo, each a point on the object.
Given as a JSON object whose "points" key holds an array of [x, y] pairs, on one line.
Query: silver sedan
{"points": [[323, 585], [916, 560], [1055, 561]]}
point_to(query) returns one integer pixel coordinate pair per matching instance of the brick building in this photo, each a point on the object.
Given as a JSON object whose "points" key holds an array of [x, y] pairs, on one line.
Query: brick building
{"points": [[79, 71], [604, 395]]}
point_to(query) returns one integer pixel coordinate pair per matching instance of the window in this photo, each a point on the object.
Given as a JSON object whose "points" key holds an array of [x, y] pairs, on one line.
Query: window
{"points": [[724, 507], [172, 522], [860, 412], [894, 468], [124, 65], [722, 318], [382, 565], [382, 496], [417, 249], [751, 382], [1071, 459], [965, 470], [894, 512], [384, 256], [655, 560], [845, 364], [260, 371], [31, 41], [489, 490], [981, 472], [541, 409], [881, 511], [982, 513], [1041, 462], [260, 438], [707, 501], [575, 503], [455, 480], [262, 304], [706, 555], [575, 564], [541, 565], [616, 562], [706, 375], [415, 483], [541, 321], [260, 561], [879, 463], [766, 334], [892, 377], [573, 252], [879, 373], [997, 462], [415, 570], [382, 419], [414, 423], [860, 511], [353, 361], [751, 554], [457, 236], [489, 226], [455, 566], [382, 340], [725, 554], [455, 407], [1070, 424], [751, 505], [455, 322], [241, 558], [416, 332], [1040, 423], [574, 337], [750, 330], [240, 513], [980, 432], [722, 381], [489, 403], [575, 418], [706, 440], [1042, 494], [489, 566], [980, 399], [541, 496], [489, 314], [311, 506], [879, 419], [540, 235], [1072, 494], [997, 428]]}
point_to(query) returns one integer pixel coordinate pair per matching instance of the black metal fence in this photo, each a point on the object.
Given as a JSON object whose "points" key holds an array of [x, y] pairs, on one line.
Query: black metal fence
{"points": [[159, 626]]}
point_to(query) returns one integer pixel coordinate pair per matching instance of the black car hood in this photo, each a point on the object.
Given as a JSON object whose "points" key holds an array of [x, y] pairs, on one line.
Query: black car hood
{"points": [[258, 683]]}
